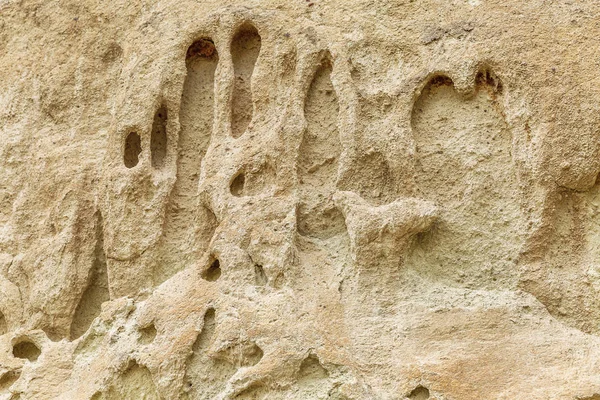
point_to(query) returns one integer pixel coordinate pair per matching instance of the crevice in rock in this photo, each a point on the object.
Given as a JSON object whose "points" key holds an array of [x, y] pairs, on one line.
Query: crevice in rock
{"points": [[132, 150], [213, 272], [260, 277], [96, 293], [7, 380], [251, 354], [158, 138], [3, 324], [208, 330]]}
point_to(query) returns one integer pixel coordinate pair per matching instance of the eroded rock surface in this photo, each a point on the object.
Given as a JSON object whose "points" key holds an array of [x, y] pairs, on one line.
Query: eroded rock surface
{"points": [[299, 200]]}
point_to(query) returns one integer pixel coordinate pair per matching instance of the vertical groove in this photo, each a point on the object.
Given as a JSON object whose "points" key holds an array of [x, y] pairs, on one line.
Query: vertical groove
{"points": [[158, 138], [96, 293], [188, 226], [318, 159], [245, 48]]}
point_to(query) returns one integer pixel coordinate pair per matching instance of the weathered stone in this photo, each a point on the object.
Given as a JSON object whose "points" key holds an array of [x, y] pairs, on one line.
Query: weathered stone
{"points": [[299, 199]]}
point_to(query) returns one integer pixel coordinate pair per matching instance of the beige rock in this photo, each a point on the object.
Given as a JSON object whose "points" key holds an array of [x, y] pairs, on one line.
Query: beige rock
{"points": [[299, 199]]}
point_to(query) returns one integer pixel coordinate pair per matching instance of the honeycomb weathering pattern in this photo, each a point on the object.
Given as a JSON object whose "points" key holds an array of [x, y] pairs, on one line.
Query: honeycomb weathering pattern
{"points": [[299, 200]]}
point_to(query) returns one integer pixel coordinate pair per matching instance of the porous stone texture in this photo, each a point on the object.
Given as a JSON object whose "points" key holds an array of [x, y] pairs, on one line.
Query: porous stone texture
{"points": [[299, 199]]}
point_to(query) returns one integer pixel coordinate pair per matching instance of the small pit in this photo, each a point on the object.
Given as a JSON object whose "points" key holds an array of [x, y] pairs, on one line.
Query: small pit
{"points": [[147, 334], [213, 272], [26, 349], [237, 185], [419, 393]]}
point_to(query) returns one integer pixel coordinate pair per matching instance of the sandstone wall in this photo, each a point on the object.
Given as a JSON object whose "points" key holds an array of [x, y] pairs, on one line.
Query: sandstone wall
{"points": [[299, 199]]}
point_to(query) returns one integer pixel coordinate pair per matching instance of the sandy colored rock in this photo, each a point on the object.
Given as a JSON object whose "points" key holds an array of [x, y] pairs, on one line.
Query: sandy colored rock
{"points": [[299, 200]]}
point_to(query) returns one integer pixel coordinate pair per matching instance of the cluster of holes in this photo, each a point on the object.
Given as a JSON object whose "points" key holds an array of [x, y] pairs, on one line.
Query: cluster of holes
{"points": [[485, 77], [158, 142], [26, 349], [213, 272]]}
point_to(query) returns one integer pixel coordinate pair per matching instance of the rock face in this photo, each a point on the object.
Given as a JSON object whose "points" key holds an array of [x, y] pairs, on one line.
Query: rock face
{"points": [[299, 199]]}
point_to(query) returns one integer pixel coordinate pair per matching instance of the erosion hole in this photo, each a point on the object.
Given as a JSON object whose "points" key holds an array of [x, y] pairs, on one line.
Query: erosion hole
{"points": [[254, 180], [8, 379], [133, 148], [371, 176], [312, 368], [147, 334], [419, 393], [245, 48], [204, 48], [158, 138], [260, 277], [213, 272], [253, 355], [237, 185], [440, 80], [27, 350]]}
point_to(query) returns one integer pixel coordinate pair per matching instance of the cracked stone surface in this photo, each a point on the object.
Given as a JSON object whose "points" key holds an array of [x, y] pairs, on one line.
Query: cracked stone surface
{"points": [[299, 199]]}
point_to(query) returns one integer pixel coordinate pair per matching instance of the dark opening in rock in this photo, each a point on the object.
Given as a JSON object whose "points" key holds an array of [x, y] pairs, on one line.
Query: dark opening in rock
{"points": [[133, 148], [27, 350], [213, 272]]}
